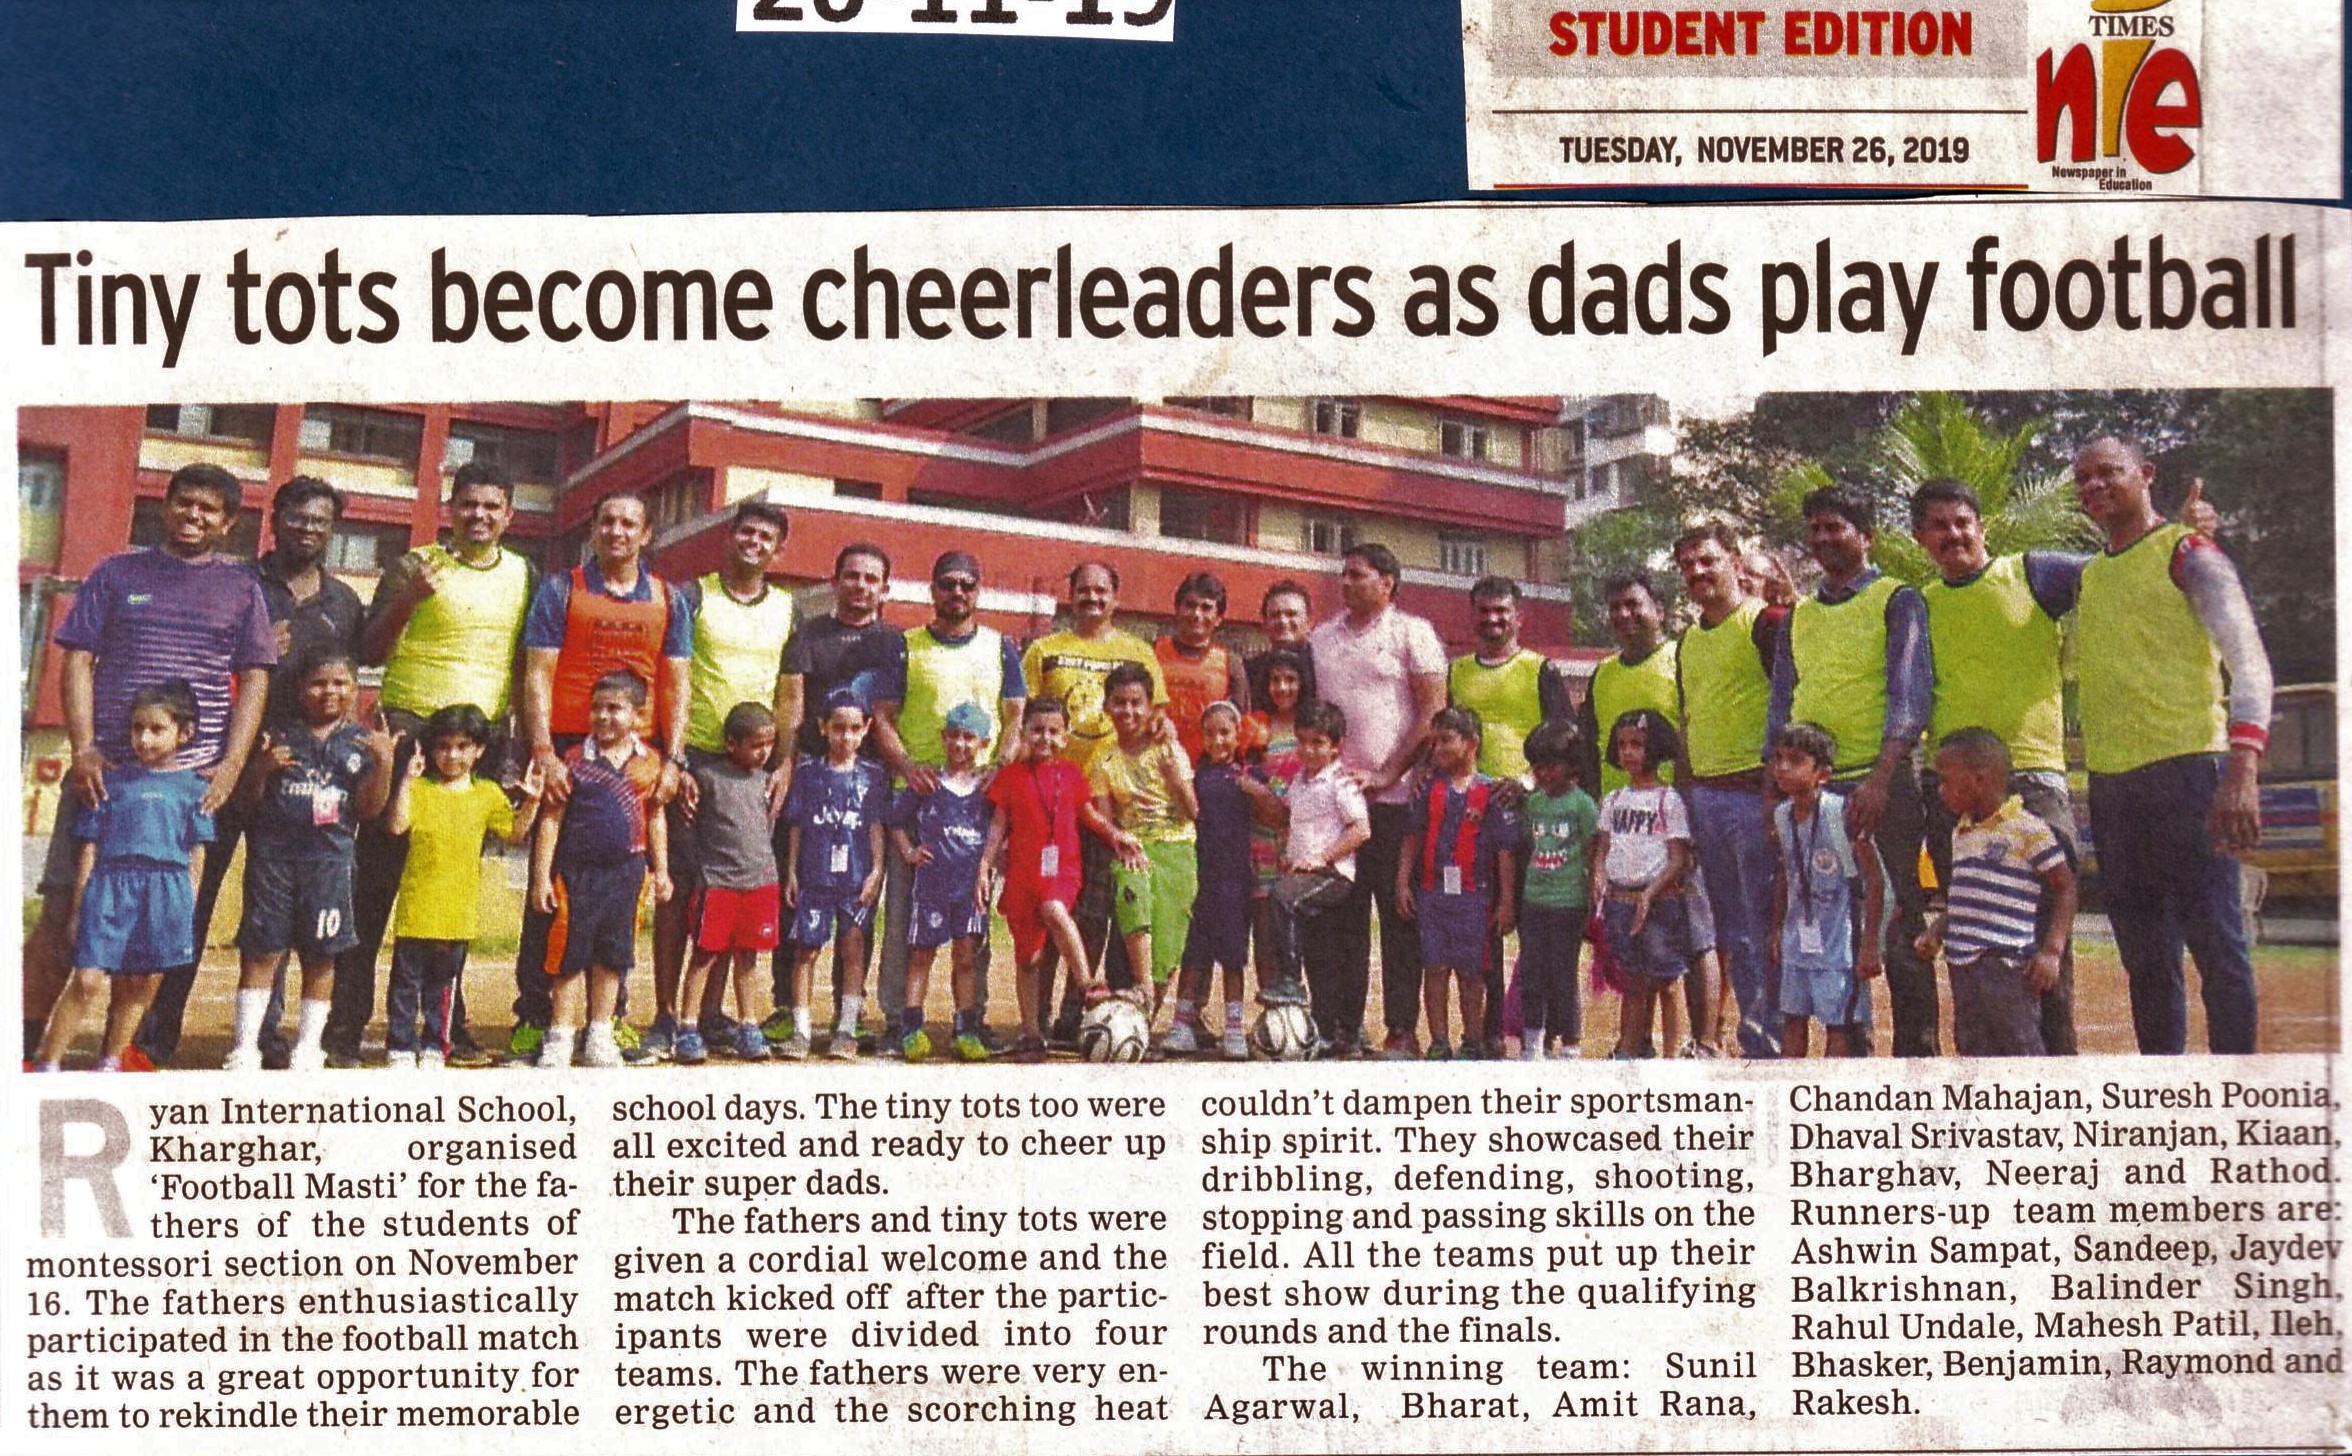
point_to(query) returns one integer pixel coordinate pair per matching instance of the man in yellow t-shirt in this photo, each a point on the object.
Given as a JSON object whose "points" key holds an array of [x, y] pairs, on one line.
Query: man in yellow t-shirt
{"points": [[1071, 665]]}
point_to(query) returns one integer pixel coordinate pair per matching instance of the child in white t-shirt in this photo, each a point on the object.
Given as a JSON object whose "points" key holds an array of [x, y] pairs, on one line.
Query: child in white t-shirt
{"points": [[1641, 859]]}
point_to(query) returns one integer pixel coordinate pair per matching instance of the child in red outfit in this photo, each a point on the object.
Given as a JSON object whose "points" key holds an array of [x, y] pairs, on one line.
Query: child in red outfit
{"points": [[1041, 799]]}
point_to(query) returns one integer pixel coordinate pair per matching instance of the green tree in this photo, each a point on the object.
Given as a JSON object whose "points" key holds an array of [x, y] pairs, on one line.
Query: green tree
{"points": [[1939, 436]]}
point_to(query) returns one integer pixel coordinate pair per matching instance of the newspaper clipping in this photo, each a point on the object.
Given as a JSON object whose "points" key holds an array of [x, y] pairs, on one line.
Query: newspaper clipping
{"points": [[1456, 828]]}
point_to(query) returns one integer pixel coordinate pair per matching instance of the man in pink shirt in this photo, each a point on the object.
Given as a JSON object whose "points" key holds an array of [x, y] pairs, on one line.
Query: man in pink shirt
{"points": [[1386, 669]]}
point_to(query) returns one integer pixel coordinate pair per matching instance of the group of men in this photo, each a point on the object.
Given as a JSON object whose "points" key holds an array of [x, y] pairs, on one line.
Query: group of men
{"points": [[2174, 696]]}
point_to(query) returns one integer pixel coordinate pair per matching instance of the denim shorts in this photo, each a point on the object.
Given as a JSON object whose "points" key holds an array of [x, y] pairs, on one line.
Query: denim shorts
{"points": [[1662, 951]]}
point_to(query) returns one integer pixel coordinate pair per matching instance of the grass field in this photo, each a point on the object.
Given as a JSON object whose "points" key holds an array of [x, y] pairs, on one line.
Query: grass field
{"points": [[2297, 987]]}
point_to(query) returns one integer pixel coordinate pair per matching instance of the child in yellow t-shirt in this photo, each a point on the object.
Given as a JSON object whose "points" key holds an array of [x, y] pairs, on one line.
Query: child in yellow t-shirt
{"points": [[445, 813]]}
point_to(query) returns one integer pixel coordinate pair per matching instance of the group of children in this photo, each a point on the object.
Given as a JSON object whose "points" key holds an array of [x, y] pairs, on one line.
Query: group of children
{"points": [[1243, 831]]}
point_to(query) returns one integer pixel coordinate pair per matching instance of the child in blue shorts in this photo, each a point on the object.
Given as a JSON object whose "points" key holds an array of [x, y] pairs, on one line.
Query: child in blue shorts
{"points": [[1455, 874], [596, 852], [142, 852], [1232, 799], [833, 869], [1641, 860], [941, 835], [307, 788], [1823, 954]]}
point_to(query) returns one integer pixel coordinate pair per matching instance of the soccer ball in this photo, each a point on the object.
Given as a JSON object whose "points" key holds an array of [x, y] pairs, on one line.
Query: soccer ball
{"points": [[1283, 1034], [1114, 1031]]}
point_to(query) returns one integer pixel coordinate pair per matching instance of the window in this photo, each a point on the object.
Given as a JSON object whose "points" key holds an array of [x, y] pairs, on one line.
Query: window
{"points": [[363, 546], [858, 489], [1014, 427], [1461, 554], [40, 480], [1069, 414], [1191, 515], [1339, 417], [147, 528], [1462, 439], [1331, 535], [370, 434], [1232, 406], [251, 423], [520, 454], [1105, 510]]}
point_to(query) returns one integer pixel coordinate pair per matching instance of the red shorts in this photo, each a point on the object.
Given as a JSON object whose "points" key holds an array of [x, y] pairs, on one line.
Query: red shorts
{"points": [[1023, 907], [731, 920]]}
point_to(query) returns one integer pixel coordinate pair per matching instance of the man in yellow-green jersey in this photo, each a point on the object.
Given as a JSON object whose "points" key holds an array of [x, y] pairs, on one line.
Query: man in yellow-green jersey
{"points": [[1856, 661], [447, 625], [2175, 696]]}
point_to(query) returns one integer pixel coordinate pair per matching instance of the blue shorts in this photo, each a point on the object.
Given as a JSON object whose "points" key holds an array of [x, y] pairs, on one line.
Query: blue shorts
{"points": [[1662, 951], [823, 913], [1220, 931], [596, 916], [138, 917], [1824, 994], [298, 905], [935, 920], [1453, 930]]}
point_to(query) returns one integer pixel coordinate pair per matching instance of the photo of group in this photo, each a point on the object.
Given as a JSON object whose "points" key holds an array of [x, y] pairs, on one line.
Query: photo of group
{"points": [[1611, 726]]}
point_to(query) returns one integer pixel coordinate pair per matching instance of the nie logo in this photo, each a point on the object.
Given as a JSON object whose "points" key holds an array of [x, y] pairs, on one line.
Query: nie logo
{"points": [[2124, 100]]}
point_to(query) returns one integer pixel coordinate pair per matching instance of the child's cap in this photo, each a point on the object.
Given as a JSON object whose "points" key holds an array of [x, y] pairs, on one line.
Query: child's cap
{"points": [[969, 718], [841, 698]]}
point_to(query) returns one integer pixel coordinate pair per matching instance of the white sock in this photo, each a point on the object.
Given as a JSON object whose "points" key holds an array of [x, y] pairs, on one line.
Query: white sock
{"points": [[52, 1067], [802, 1021], [557, 1049], [252, 1008], [1531, 1045], [1187, 1011], [1234, 1020], [313, 1024], [852, 1007], [105, 1064]]}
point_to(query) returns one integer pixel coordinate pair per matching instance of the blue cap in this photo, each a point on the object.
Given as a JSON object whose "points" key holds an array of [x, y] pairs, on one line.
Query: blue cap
{"points": [[970, 718], [846, 698]]}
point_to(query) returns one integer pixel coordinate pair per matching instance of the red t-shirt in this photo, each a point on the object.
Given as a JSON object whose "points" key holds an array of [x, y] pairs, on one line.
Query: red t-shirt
{"points": [[1040, 803]]}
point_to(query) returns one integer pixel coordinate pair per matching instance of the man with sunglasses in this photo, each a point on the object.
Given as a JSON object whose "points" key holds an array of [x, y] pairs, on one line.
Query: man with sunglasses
{"points": [[950, 660]]}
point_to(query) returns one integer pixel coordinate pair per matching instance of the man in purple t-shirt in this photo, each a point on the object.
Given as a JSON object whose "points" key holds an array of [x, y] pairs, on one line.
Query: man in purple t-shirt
{"points": [[179, 610]]}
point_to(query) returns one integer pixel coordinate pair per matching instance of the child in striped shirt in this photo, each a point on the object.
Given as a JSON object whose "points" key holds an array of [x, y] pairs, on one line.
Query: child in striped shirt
{"points": [[2000, 949]]}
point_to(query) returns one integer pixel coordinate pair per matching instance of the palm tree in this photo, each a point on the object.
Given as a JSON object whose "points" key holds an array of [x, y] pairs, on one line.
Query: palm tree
{"points": [[1937, 436]]}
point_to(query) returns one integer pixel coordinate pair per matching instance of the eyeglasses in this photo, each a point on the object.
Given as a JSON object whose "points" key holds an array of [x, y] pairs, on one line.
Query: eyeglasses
{"points": [[963, 584]]}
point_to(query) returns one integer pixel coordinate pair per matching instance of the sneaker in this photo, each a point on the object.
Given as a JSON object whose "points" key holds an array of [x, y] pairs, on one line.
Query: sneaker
{"points": [[628, 1038], [971, 1047], [915, 1046], [1063, 1036], [661, 1039], [844, 1045], [1401, 1046], [1028, 1050], [345, 1059], [468, 1055], [601, 1048], [400, 1061], [242, 1059], [526, 1040], [429, 1060], [687, 1048], [990, 1041], [778, 1029], [717, 1030], [1236, 1047], [1180, 1040], [312, 1058], [135, 1060], [1567, 1051], [794, 1047], [553, 1056], [1701, 1051], [279, 1057], [1473, 1051], [1438, 1052], [1285, 992], [751, 1043]]}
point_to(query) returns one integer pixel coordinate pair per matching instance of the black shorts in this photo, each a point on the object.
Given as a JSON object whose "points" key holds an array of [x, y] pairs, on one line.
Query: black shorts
{"points": [[596, 916], [298, 905]]}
